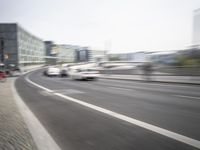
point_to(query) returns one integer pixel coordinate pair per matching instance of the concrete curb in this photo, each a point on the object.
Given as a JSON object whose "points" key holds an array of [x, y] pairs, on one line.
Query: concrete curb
{"points": [[41, 137]]}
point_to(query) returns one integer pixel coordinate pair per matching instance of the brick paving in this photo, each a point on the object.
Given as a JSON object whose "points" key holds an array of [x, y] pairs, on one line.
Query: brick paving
{"points": [[14, 134]]}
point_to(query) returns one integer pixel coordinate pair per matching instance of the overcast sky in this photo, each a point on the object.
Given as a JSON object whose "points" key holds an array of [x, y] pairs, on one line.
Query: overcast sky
{"points": [[117, 25]]}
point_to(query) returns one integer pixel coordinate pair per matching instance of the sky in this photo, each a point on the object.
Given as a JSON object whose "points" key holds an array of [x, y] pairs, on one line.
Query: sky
{"points": [[115, 25]]}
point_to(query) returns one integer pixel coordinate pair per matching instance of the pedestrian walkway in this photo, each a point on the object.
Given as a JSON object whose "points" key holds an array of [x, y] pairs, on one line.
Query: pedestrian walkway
{"points": [[14, 134], [155, 78]]}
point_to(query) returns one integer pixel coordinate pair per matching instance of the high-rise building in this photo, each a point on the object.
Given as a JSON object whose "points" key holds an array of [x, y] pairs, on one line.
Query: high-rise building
{"points": [[51, 55], [20, 47], [85, 54], [60, 53], [196, 27]]}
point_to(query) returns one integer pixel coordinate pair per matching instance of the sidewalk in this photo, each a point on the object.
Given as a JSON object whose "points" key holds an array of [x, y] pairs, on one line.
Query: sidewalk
{"points": [[156, 78], [14, 134]]}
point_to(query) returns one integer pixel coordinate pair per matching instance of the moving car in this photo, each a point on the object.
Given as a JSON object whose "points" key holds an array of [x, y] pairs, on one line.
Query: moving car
{"points": [[52, 71], [83, 74]]}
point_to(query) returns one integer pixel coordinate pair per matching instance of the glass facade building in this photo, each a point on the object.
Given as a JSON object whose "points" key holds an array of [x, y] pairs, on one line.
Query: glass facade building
{"points": [[21, 47], [66, 53], [84, 54], [23, 50], [51, 56]]}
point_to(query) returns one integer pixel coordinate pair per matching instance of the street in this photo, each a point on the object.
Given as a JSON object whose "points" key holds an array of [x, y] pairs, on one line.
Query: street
{"points": [[173, 107]]}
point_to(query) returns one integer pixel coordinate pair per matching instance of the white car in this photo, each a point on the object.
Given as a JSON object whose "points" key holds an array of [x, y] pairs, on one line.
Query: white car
{"points": [[52, 71], [83, 74]]}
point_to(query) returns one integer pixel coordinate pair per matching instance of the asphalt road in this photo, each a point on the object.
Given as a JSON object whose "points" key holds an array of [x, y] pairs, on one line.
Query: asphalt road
{"points": [[172, 107]]}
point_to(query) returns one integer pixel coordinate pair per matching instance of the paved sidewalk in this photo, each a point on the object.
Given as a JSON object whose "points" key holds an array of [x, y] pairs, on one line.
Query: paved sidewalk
{"points": [[156, 78], [14, 134]]}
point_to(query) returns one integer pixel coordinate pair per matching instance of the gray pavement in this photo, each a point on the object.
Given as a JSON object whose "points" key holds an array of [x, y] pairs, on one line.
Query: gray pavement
{"points": [[14, 134], [155, 78], [173, 107]]}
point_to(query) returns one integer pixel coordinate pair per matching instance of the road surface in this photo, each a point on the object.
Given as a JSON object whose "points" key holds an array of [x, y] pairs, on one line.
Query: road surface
{"points": [[113, 124]]}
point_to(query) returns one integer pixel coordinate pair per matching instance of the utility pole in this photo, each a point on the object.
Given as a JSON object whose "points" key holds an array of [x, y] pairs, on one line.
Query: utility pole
{"points": [[2, 49]]}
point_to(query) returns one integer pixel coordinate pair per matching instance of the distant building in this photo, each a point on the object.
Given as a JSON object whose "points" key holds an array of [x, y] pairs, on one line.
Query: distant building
{"points": [[134, 57], [196, 27], [60, 53], [51, 56], [66, 53], [85, 54], [21, 48], [97, 55]]}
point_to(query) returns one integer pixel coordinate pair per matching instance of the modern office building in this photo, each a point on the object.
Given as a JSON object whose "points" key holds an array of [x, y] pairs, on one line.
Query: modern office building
{"points": [[196, 27], [66, 53], [85, 54], [20, 47], [60, 53], [51, 55]]}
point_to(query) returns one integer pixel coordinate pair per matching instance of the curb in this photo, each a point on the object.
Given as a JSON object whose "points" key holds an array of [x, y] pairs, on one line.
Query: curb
{"points": [[40, 135]]}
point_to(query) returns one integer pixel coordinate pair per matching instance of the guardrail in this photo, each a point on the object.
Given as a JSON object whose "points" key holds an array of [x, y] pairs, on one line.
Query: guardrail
{"points": [[163, 71]]}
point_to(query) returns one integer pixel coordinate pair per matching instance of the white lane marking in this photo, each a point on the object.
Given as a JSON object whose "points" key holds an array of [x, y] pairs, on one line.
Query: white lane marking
{"points": [[185, 96], [68, 91], [42, 138], [167, 133], [48, 90]]}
